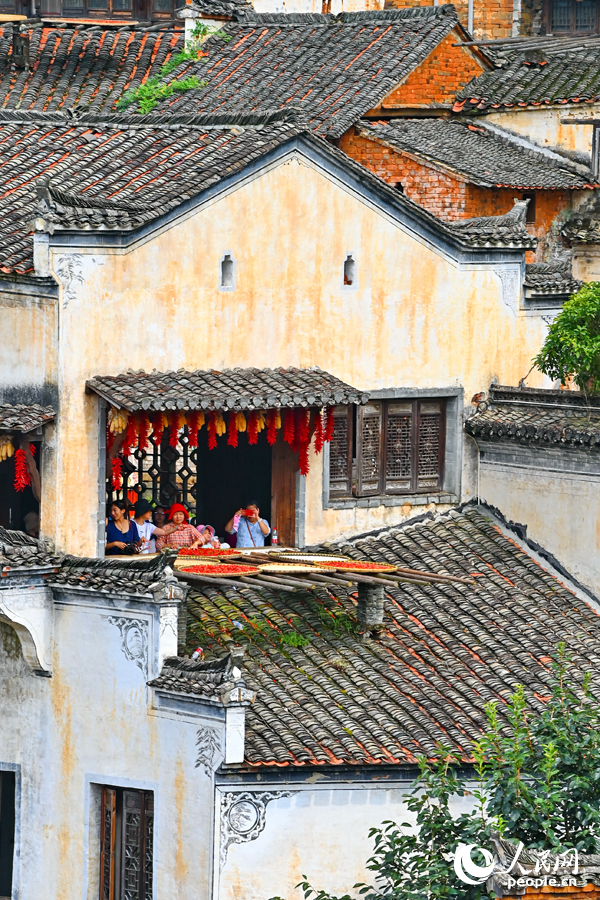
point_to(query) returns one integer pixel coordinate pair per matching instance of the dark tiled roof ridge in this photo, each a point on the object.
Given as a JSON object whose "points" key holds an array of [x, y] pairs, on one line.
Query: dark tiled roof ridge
{"points": [[291, 115], [504, 392], [346, 18]]}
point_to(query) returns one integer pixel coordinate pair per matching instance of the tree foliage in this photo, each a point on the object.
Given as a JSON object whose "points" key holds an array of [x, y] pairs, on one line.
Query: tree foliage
{"points": [[538, 781], [572, 346]]}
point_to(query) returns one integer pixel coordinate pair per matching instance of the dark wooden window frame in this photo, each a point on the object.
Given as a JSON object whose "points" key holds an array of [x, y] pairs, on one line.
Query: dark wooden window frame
{"points": [[374, 422], [126, 844], [548, 25]]}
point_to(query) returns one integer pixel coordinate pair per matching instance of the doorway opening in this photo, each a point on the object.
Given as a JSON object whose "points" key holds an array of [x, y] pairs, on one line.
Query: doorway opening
{"points": [[19, 510], [7, 833]]}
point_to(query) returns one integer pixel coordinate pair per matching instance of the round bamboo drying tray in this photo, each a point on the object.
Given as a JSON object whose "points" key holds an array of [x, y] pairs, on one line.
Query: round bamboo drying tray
{"points": [[217, 570], [311, 558], [287, 569], [353, 565]]}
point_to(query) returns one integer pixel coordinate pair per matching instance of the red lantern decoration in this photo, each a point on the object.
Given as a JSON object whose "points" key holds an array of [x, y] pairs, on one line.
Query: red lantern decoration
{"points": [[158, 427], [22, 477], [117, 473], [253, 427], [212, 430], [272, 427], [328, 424], [232, 435], [289, 427], [193, 426], [318, 432]]}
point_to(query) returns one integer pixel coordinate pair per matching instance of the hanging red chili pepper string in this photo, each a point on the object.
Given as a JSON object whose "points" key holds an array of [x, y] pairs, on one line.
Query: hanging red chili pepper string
{"points": [[232, 435], [212, 430], [302, 426], [130, 437], [193, 426], [272, 427], [22, 477], [318, 431], [303, 462], [117, 473], [158, 427], [289, 427], [143, 426], [328, 424], [173, 429], [253, 427]]}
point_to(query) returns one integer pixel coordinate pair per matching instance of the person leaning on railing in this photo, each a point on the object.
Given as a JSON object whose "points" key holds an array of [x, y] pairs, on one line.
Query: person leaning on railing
{"points": [[185, 534]]}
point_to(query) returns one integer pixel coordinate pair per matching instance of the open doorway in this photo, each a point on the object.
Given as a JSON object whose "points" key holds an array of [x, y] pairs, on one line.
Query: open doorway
{"points": [[19, 510], [7, 833]]}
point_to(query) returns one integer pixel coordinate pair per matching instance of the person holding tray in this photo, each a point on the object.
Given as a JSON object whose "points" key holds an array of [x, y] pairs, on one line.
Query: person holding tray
{"points": [[251, 529]]}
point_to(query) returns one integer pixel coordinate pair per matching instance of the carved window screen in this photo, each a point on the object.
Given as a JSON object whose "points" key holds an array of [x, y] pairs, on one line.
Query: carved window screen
{"points": [[400, 448], [126, 844], [340, 453]]}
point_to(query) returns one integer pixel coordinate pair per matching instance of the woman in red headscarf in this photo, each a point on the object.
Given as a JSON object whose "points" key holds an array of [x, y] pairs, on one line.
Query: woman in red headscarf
{"points": [[184, 536]]}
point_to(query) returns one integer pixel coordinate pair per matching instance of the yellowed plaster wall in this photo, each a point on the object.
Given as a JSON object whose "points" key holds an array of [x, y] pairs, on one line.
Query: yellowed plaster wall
{"points": [[27, 343], [545, 125], [415, 319]]}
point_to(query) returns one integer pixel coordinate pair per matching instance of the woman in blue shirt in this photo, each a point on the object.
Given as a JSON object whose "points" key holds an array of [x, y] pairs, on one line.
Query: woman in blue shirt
{"points": [[251, 529], [121, 530]]}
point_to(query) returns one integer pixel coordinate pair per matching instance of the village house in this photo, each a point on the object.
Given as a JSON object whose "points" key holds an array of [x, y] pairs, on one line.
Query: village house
{"points": [[125, 764]]}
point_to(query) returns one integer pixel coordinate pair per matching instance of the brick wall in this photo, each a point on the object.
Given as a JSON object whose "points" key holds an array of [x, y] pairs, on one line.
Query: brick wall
{"points": [[438, 79], [451, 198], [491, 18]]}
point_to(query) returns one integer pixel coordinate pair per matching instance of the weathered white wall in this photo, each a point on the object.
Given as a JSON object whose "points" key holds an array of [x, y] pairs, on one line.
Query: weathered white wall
{"points": [[560, 509], [321, 831], [545, 125], [415, 318], [91, 723]]}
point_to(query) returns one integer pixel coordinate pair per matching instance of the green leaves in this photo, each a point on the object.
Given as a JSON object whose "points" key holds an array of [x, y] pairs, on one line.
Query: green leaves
{"points": [[572, 346]]}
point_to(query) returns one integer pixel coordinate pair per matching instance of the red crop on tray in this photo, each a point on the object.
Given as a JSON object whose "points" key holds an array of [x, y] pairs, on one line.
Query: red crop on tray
{"points": [[355, 565], [208, 551], [226, 570]]}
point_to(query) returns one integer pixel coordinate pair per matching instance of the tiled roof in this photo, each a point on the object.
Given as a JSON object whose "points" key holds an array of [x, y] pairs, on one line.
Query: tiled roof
{"points": [[550, 280], [24, 417], [112, 576], [538, 417], [334, 68], [445, 650], [582, 225], [21, 551], [83, 67], [484, 156], [542, 78], [497, 231], [195, 677], [217, 9], [146, 170], [228, 389]]}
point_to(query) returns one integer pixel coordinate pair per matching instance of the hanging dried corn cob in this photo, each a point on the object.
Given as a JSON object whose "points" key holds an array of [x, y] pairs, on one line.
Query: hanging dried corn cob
{"points": [[212, 430], [272, 426], [221, 427], [117, 420], [253, 427], [232, 435], [240, 421], [6, 448], [260, 421]]}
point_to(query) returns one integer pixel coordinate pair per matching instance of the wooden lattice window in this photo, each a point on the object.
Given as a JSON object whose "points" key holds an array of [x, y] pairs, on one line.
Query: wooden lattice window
{"points": [[126, 844], [399, 449]]}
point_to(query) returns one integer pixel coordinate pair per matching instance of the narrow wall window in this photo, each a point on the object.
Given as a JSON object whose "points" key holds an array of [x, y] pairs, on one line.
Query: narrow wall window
{"points": [[7, 832], [349, 270], [400, 448], [227, 273], [126, 844], [530, 217]]}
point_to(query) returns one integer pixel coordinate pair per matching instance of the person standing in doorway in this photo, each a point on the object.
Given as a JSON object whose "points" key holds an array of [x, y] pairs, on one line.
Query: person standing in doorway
{"points": [[251, 529]]}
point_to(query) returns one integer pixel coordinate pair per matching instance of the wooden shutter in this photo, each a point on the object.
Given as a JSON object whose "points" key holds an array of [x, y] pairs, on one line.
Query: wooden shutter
{"points": [[369, 449], [400, 426], [136, 845], [284, 465], [340, 453], [107, 843], [430, 445]]}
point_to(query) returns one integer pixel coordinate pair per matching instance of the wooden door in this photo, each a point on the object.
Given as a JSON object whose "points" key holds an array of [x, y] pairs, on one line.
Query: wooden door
{"points": [[283, 492]]}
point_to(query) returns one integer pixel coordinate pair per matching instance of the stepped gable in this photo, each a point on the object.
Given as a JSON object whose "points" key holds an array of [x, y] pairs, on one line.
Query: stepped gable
{"points": [[334, 68], [540, 418], [495, 231], [326, 696], [489, 158], [86, 68], [20, 551], [554, 279], [197, 677], [171, 161], [543, 77]]}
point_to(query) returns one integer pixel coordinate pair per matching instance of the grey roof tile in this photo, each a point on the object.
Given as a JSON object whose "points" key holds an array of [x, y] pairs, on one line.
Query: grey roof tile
{"points": [[24, 417], [21, 551]]}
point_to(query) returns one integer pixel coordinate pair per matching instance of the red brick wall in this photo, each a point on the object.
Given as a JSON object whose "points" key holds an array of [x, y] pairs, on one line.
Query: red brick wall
{"points": [[589, 892], [491, 18], [438, 79], [448, 197]]}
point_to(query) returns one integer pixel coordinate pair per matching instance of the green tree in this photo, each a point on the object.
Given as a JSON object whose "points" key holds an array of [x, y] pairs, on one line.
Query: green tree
{"points": [[538, 781], [572, 345]]}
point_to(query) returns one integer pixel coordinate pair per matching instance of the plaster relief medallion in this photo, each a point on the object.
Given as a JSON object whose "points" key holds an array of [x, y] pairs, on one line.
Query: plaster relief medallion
{"points": [[134, 639], [244, 816]]}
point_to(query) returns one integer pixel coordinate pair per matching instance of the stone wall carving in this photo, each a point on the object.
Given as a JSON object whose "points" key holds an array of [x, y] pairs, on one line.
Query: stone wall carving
{"points": [[134, 639], [243, 816], [510, 278], [208, 744]]}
